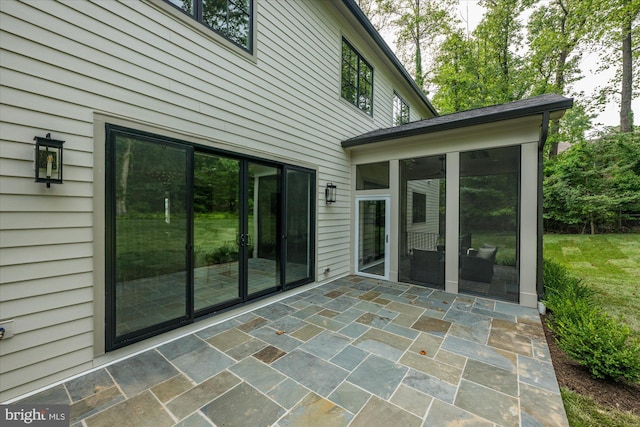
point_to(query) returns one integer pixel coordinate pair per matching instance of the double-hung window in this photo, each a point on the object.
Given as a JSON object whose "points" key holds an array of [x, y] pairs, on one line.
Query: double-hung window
{"points": [[357, 79], [400, 110], [232, 19]]}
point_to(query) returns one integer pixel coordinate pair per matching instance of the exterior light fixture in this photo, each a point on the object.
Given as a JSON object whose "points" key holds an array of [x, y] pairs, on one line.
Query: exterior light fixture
{"points": [[330, 193], [48, 160]]}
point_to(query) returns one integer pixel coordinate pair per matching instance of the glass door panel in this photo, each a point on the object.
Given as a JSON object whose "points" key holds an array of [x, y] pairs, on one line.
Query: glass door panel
{"points": [[151, 223], [191, 232], [262, 237], [373, 239], [216, 223], [298, 250], [422, 221], [489, 223]]}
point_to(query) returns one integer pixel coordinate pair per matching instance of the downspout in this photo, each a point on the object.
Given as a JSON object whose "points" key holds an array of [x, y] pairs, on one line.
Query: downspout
{"points": [[544, 133]]}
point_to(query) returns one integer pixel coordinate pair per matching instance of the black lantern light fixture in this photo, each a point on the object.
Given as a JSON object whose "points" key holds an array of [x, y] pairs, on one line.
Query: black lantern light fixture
{"points": [[330, 193], [48, 160]]}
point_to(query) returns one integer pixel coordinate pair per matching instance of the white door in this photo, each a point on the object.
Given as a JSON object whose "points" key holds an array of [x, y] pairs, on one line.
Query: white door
{"points": [[372, 236]]}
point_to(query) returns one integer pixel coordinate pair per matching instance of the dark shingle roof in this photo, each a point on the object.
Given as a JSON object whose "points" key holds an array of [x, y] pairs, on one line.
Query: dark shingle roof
{"points": [[494, 113]]}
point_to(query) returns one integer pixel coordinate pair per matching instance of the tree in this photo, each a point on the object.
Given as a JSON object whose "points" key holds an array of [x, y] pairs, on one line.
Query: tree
{"points": [[378, 11], [420, 26], [595, 184], [557, 32], [618, 31], [499, 37], [457, 75], [485, 67]]}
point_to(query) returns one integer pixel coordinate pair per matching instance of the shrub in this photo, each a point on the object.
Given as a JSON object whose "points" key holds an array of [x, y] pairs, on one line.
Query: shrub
{"points": [[587, 334], [598, 342], [222, 255], [561, 287]]}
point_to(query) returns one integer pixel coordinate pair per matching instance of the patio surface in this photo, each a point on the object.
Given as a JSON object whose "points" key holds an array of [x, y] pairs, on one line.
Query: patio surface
{"points": [[353, 352]]}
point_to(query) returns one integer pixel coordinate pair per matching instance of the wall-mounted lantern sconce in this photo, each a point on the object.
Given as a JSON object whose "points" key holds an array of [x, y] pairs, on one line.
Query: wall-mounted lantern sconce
{"points": [[330, 193], [48, 160]]}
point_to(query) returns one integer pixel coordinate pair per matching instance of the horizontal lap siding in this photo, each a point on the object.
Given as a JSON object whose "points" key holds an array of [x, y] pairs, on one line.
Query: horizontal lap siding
{"points": [[64, 61]]}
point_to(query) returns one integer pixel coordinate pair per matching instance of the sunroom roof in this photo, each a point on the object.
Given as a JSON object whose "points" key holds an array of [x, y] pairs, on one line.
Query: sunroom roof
{"points": [[526, 107]]}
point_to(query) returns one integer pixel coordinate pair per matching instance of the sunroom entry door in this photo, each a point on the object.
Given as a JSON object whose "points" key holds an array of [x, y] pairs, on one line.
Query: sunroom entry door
{"points": [[372, 236]]}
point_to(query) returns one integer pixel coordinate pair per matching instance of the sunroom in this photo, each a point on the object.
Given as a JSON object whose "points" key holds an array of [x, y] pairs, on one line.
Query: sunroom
{"points": [[454, 202]]}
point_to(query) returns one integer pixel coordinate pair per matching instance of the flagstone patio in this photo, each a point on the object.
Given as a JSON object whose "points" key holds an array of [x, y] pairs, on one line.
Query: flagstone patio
{"points": [[353, 352]]}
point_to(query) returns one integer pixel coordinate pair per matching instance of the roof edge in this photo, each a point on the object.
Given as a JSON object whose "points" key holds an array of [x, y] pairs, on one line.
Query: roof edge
{"points": [[366, 24], [560, 103]]}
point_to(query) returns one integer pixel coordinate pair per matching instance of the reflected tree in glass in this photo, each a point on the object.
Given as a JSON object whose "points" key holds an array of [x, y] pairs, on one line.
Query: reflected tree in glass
{"points": [[216, 229]]}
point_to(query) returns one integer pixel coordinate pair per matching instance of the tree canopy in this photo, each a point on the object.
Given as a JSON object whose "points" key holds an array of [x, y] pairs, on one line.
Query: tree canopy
{"points": [[523, 48]]}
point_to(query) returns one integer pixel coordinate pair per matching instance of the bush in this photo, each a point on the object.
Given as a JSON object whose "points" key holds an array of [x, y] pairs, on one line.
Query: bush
{"points": [[597, 341], [561, 287], [588, 335], [222, 255]]}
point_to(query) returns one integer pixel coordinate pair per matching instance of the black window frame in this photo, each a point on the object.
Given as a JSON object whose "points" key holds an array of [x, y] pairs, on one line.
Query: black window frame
{"points": [[404, 111], [355, 81], [198, 15], [112, 131], [419, 208]]}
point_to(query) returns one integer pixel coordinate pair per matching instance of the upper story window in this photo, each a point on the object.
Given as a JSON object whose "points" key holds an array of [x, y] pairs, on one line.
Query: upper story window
{"points": [[400, 110], [230, 18], [357, 79]]}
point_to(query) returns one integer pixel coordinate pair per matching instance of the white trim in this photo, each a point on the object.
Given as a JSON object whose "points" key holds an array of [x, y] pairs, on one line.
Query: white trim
{"points": [[387, 229]]}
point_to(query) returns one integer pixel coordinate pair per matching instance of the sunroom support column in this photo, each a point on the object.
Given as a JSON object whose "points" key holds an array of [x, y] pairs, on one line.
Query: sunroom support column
{"points": [[528, 224], [452, 228]]}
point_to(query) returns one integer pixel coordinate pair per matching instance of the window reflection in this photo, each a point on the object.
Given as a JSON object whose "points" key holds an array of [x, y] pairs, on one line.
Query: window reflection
{"points": [[422, 221], [372, 176], [229, 18], [489, 213]]}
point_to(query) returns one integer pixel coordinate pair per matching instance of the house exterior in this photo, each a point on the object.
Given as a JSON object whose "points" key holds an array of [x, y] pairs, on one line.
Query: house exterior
{"points": [[200, 145]]}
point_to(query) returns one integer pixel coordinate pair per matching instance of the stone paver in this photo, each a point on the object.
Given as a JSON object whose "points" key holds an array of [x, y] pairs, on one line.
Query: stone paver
{"points": [[352, 352]]}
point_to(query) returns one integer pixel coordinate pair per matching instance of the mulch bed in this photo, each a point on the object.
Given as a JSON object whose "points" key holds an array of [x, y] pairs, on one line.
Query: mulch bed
{"points": [[571, 375]]}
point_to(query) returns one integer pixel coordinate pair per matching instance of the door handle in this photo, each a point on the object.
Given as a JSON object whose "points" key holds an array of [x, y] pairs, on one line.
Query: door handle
{"points": [[243, 240]]}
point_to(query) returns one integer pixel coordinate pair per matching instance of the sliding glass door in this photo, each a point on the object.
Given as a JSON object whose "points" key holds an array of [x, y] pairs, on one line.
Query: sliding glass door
{"points": [[217, 222], [299, 230], [191, 231], [149, 225], [262, 237]]}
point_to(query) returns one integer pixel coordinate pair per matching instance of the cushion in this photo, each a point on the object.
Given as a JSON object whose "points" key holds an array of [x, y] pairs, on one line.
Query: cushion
{"points": [[487, 253]]}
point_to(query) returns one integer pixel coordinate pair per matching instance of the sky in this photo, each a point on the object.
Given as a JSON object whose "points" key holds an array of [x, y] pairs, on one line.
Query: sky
{"points": [[471, 13]]}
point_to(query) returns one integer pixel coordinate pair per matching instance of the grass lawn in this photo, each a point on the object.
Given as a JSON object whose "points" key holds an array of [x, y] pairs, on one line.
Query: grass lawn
{"points": [[584, 412], [150, 246], [608, 263]]}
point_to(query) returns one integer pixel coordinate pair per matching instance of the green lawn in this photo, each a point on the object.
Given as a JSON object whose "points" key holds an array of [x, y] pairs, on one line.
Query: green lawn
{"points": [[584, 412], [608, 263], [150, 246]]}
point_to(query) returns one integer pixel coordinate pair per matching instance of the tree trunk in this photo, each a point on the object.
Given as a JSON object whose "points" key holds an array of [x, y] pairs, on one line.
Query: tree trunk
{"points": [[593, 224], [121, 191], [419, 76], [626, 114], [560, 82]]}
